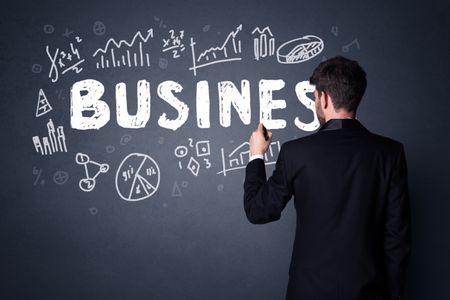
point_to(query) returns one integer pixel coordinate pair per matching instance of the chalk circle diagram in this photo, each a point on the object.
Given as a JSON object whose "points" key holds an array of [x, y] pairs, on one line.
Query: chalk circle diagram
{"points": [[299, 50], [88, 184], [137, 177]]}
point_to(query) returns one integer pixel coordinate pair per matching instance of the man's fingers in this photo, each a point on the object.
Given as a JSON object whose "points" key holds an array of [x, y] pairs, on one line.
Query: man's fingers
{"points": [[269, 135]]}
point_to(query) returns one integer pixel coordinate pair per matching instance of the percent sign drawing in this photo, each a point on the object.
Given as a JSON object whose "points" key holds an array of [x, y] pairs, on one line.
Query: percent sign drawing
{"points": [[38, 173], [137, 177]]}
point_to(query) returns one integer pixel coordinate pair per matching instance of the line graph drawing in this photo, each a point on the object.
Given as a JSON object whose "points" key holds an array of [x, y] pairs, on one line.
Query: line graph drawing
{"points": [[263, 43], [124, 53], [229, 51], [300, 49], [137, 177], [240, 156]]}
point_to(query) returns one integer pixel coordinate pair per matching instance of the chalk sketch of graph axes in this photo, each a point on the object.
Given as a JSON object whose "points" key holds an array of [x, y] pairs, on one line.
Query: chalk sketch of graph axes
{"points": [[125, 59], [231, 38], [299, 50]]}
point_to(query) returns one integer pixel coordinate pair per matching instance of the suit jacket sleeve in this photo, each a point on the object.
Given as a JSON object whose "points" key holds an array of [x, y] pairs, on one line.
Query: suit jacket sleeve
{"points": [[397, 240], [264, 200]]}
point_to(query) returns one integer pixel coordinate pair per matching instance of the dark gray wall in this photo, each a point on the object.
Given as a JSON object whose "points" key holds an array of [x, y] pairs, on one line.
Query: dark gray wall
{"points": [[194, 242]]}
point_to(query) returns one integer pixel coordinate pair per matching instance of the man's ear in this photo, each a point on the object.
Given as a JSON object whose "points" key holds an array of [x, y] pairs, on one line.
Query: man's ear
{"points": [[324, 100]]}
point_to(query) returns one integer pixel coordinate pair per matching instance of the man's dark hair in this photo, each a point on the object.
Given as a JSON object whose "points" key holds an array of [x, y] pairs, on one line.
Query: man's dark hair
{"points": [[343, 79]]}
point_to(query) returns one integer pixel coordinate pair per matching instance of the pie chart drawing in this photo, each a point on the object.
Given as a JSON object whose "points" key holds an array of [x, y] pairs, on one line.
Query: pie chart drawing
{"points": [[137, 177]]}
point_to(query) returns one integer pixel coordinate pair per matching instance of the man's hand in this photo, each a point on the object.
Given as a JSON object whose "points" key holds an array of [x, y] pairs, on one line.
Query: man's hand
{"points": [[258, 142]]}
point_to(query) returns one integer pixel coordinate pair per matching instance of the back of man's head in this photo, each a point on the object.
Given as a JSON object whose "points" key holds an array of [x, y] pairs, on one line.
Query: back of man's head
{"points": [[343, 80]]}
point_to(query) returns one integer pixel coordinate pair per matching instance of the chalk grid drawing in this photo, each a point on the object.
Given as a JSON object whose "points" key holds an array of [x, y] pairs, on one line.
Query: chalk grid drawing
{"points": [[63, 61], [227, 52], [174, 43], [51, 143], [300, 49], [90, 167], [202, 153], [137, 177], [263, 43], [346, 48], [43, 106], [124, 53], [240, 156]]}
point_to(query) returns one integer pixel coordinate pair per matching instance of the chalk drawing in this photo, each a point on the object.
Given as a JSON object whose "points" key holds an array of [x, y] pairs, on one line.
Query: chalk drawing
{"points": [[264, 43], [300, 49], [49, 29], [176, 191], [202, 152], [174, 43], [227, 52], [193, 166], [88, 184], [67, 33], [220, 188], [53, 143], [346, 48], [125, 139], [110, 149], [334, 30], [36, 68], [240, 156], [124, 53], [181, 151], [43, 106], [160, 22], [63, 61], [93, 210], [206, 28], [60, 177], [60, 95], [38, 173], [137, 177], [163, 63], [99, 28]]}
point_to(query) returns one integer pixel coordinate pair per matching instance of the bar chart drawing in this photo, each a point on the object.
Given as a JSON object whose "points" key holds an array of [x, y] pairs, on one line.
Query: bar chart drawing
{"points": [[263, 43], [228, 51], [54, 142], [124, 53]]}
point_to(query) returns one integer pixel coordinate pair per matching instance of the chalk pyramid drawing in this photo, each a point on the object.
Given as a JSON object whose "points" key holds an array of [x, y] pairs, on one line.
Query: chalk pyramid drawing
{"points": [[43, 106]]}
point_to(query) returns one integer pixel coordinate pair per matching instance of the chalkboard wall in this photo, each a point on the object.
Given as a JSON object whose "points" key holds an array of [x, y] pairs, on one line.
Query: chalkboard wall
{"points": [[125, 128]]}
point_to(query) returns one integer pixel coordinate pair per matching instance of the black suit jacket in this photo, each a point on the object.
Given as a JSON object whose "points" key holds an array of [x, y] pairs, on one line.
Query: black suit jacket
{"points": [[350, 193]]}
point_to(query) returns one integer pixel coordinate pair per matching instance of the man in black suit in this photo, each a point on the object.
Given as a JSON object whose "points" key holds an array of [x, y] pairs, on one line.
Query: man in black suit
{"points": [[350, 193]]}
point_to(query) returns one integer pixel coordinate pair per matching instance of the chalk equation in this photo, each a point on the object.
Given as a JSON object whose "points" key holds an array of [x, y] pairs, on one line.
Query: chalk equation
{"points": [[63, 61]]}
